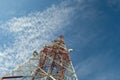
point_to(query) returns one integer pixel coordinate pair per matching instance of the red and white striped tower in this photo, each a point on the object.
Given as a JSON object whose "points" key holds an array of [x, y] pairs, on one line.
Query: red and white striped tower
{"points": [[51, 63]]}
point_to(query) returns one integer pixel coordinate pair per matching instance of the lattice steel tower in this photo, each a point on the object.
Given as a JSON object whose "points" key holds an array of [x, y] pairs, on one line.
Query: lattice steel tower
{"points": [[51, 63]]}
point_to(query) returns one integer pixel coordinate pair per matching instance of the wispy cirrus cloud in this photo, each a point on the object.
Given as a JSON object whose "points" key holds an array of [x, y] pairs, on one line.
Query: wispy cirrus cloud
{"points": [[31, 32]]}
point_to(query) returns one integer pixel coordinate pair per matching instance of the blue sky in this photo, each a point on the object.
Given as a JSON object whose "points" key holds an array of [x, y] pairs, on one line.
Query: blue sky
{"points": [[14, 8], [91, 28]]}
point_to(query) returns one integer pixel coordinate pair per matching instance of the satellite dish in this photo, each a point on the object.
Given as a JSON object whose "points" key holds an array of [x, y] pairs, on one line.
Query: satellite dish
{"points": [[70, 50], [35, 53]]}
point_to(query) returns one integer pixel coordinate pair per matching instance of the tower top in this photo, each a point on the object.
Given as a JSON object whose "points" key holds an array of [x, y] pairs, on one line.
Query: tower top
{"points": [[61, 36]]}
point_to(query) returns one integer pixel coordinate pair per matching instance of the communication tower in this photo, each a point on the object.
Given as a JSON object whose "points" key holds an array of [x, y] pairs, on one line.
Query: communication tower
{"points": [[51, 63]]}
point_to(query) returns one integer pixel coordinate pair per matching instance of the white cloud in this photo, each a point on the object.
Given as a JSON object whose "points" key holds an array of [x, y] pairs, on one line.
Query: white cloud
{"points": [[2, 54], [32, 32]]}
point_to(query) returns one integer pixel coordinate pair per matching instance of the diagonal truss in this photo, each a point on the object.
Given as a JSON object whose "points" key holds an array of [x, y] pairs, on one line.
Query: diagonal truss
{"points": [[51, 63]]}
